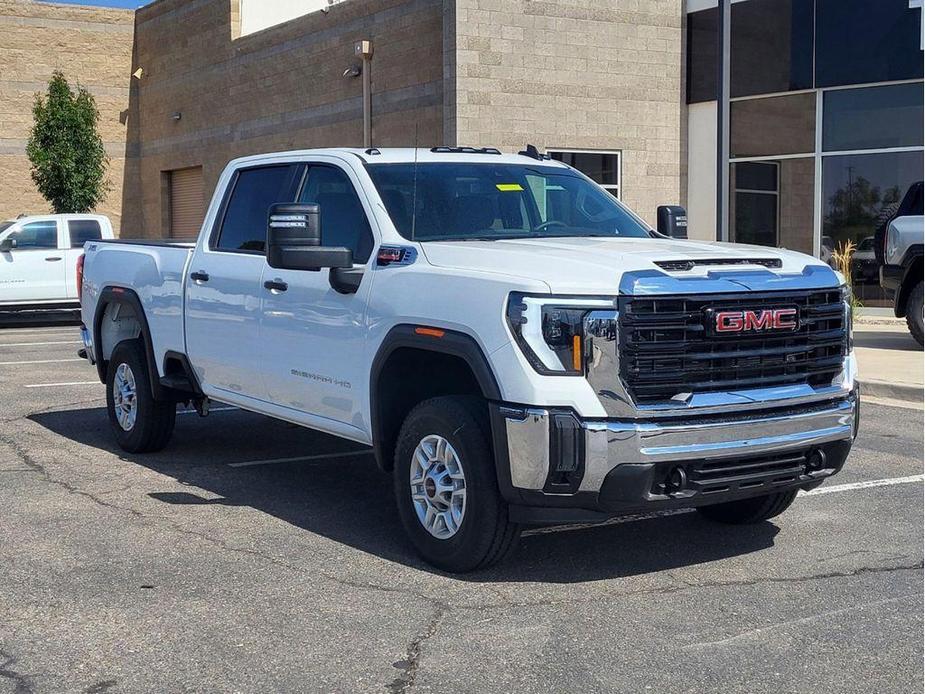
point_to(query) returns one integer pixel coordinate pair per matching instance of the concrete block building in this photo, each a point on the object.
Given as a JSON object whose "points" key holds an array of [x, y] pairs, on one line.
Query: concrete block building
{"points": [[792, 123]]}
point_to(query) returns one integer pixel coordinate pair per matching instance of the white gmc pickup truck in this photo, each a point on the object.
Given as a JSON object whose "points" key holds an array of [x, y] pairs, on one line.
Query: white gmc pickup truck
{"points": [[515, 345], [38, 259]]}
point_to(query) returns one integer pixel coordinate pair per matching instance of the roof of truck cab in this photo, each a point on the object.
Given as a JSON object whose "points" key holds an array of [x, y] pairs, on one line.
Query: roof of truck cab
{"points": [[65, 216], [406, 155]]}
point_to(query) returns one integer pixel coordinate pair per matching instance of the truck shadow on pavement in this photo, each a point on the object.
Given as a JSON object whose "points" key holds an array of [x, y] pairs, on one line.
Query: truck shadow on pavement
{"points": [[349, 500]]}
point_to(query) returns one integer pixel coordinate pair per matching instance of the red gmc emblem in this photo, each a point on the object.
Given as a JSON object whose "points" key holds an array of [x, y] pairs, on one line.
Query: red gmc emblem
{"points": [[727, 322]]}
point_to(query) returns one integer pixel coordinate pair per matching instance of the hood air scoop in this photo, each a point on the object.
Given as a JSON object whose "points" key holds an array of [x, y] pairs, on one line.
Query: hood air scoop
{"points": [[683, 265]]}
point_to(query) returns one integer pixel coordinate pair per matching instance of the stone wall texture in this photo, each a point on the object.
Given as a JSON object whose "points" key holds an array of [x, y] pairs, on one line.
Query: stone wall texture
{"points": [[278, 89], [578, 74], [92, 46]]}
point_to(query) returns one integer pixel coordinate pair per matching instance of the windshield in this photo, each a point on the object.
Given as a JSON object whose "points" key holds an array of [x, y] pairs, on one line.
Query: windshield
{"points": [[498, 201], [5, 225]]}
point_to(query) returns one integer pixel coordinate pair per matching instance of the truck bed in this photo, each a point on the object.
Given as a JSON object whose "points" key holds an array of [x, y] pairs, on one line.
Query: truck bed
{"points": [[154, 270]]}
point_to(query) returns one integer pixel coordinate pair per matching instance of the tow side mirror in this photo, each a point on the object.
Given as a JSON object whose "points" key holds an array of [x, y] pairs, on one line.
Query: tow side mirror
{"points": [[672, 221], [7, 245], [294, 239]]}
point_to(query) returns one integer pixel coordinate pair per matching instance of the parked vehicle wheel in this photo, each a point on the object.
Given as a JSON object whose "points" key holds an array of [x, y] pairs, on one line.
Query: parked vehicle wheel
{"points": [[141, 423], [746, 511], [914, 315], [446, 487]]}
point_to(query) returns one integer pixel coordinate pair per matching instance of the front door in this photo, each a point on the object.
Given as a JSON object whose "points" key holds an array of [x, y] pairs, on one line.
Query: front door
{"points": [[35, 269], [313, 337], [224, 290]]}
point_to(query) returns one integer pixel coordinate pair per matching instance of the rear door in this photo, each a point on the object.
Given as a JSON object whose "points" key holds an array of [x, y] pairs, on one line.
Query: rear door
{"points": [[33, 271], [313, 338], [224, 291]]}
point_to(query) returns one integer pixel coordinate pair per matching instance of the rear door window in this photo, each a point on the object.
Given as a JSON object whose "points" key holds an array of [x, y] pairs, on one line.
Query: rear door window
{"points": [[244, 223], [83, 230]]}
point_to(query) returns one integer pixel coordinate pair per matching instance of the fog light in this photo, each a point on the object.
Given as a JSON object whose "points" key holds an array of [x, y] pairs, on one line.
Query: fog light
{"points": [[816, 460], [676, 481]]}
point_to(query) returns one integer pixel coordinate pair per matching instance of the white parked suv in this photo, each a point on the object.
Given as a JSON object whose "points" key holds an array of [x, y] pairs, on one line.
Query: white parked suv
{"points": [[38, 258], [514, 345]]}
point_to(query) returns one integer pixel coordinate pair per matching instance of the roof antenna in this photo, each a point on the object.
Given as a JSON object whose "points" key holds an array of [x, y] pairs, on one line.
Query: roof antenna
{"points": [[414, 185]]}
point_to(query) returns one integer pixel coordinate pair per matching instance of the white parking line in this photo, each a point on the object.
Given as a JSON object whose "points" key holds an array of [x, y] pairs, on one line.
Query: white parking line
{"points": [[47, 331], [36, 344], [69, 383], [38, 361], [274, 461], [868, 484], [851, 486]]}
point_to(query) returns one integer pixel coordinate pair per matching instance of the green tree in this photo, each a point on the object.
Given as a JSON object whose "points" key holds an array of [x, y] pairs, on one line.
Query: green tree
{"points": [[67, 154]]}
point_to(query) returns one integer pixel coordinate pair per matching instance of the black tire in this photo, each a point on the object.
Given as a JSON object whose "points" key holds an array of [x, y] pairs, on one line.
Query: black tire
{"points": [[748, 511], [154, 419], [486, 534], [914, 313]]}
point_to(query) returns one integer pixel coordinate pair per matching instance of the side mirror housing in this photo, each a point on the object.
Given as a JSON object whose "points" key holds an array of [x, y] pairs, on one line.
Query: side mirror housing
{"points": [[294, 239], [672, 221], [7, 245]]}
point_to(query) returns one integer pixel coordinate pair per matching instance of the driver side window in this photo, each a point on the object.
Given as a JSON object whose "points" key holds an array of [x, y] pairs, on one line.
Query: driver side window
{"points": [[343, 219], [36, 235]]}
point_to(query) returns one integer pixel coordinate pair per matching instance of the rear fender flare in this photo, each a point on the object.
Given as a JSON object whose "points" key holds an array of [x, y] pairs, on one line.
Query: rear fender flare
{"points": [[126, 297]]}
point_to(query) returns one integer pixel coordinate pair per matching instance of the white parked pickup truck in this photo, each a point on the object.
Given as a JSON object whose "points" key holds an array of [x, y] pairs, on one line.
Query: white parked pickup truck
{"points": [[38, 258], [513, 343]]}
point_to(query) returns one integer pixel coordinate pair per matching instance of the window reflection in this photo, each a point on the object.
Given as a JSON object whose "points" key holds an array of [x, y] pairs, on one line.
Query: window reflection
{"points": [[859, 193], [874, 117]]}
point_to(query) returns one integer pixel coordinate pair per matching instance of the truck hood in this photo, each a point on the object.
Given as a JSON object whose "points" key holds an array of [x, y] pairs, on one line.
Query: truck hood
{"points": [[631, 265]]}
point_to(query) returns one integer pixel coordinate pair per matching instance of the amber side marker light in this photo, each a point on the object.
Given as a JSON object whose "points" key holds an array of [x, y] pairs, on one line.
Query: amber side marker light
{"points": [[576, 352], [430, 332]]}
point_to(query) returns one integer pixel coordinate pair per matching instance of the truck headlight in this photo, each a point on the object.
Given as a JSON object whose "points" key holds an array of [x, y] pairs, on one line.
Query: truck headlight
{"points": [[892, 244], [849, 316], [548, 330]]}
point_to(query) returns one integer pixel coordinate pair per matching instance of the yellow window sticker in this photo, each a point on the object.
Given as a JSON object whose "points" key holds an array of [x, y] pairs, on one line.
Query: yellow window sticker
{"points": [[509, 187]]}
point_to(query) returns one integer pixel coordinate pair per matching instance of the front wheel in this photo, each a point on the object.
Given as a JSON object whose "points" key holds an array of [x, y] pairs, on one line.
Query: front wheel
{"points": [[748, 511], [446, 487], [914, 316], [140, 423]]}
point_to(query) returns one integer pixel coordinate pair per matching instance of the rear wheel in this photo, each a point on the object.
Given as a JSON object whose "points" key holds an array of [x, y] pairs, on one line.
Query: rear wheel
{"points": [[746, 511], [141, 424], [914, 315], [446, 488]]}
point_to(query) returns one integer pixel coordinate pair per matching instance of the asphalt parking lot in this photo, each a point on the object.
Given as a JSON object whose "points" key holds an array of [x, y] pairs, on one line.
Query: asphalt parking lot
{"points": [[237, 561]]}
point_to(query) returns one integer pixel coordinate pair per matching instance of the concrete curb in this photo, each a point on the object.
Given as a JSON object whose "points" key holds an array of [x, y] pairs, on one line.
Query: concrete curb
{"points": [[894, 391]]}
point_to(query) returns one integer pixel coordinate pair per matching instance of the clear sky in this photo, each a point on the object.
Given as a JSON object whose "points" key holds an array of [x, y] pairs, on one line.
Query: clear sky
{"points": [[130, 4]]}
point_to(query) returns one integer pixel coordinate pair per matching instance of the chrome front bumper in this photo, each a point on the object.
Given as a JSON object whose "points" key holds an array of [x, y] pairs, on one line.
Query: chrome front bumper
{"points": [[553, 455]]}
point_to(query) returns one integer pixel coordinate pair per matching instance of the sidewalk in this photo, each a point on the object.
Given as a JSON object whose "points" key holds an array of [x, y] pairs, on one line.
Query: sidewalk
{"points": [[890, 363]]}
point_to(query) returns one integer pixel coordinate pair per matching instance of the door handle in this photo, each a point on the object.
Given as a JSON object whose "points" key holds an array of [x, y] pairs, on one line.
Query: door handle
{"points": [[52, 259], [276, 285], [199, 276]]}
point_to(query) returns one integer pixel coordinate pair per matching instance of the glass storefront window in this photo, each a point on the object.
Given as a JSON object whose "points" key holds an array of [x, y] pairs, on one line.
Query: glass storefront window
{"points": [[860, 192], [772, 126], [600, 166], [701, 55], [872, 117], [860, 41], [755, 202], [772, 46], [771, 203]]}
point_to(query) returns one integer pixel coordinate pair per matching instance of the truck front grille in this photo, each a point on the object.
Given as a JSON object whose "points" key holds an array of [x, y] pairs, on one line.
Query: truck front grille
{"points": [[667, 350]]}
